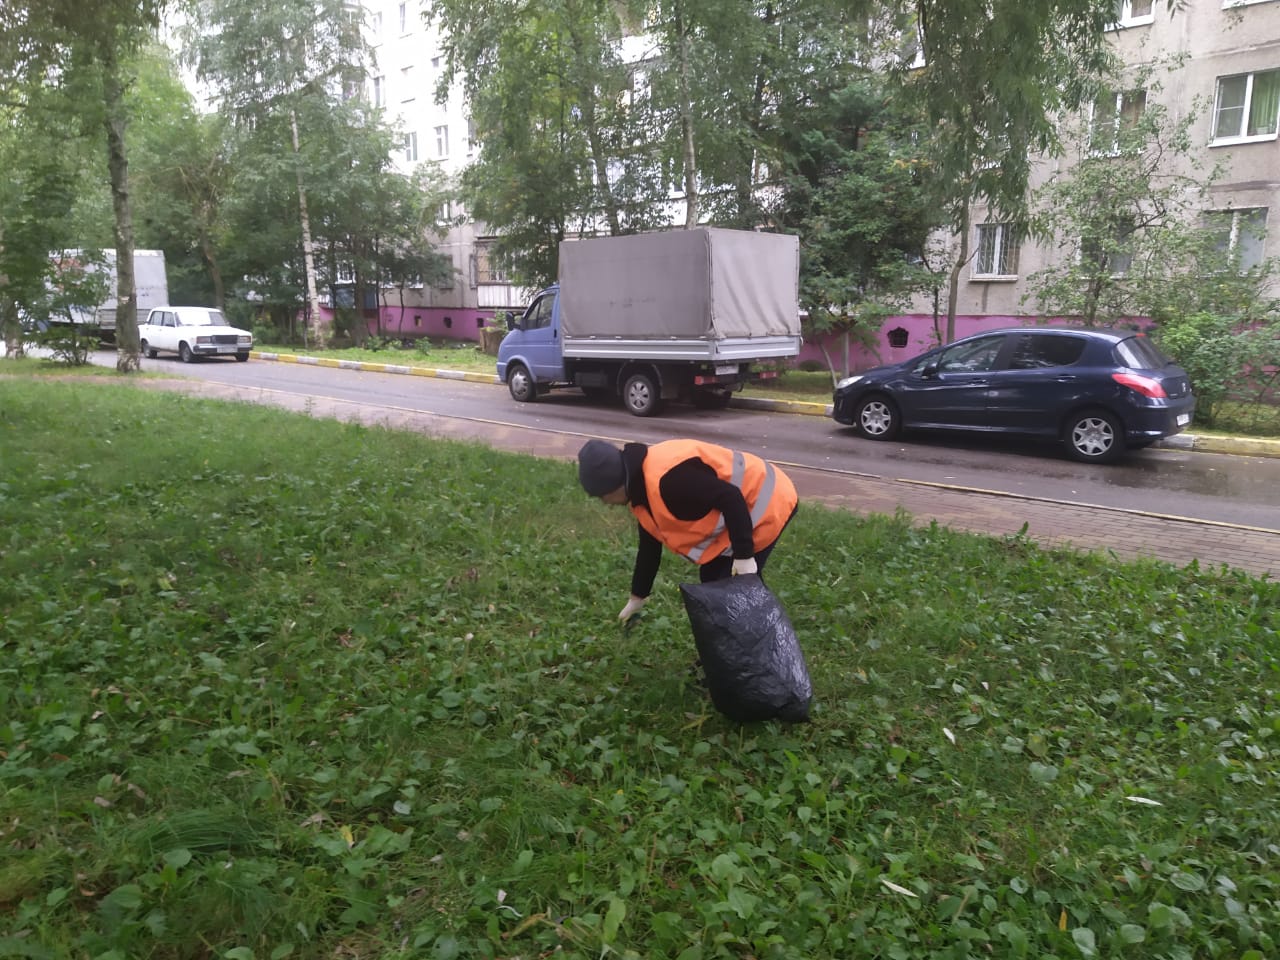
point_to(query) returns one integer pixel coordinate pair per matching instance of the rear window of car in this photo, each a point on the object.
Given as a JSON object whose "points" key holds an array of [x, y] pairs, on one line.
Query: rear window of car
{"points": [[1139, 352], [1035, 350]]}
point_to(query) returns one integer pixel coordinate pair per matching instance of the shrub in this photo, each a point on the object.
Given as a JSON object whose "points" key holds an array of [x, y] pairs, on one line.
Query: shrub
{"points": [[70, 343], [1221, 354]]}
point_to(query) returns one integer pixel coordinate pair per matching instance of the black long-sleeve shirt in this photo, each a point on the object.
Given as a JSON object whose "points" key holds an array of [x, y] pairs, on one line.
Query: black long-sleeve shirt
{"points": [[691, 489]]}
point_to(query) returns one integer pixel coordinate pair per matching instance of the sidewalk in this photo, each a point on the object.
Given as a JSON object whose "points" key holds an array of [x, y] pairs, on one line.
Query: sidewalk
{"points": [[1242, 446]]}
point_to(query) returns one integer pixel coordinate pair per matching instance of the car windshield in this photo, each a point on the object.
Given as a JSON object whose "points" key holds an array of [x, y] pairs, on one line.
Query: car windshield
{"points": [[1140, 353], [208, 318]]}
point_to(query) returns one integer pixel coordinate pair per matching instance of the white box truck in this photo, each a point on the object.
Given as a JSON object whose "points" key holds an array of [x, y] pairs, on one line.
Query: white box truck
{"points": [[681, 314], [151, 283]]}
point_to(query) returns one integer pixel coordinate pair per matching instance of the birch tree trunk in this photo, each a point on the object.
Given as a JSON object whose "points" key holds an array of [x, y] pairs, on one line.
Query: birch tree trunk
{"points": [[308, 255], [686, 125]]}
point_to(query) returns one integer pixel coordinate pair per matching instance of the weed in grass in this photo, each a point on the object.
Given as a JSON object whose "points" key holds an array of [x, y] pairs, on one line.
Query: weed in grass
{"points": [[280, 686]]}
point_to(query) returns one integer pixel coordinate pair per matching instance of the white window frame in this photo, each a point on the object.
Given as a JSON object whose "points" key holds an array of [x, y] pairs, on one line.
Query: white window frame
{"points": [[1237, 214], [1244, 114], [411, 146], [442, 141], [404, 18], [379, 91], [1005, 238], [1125, 18]]}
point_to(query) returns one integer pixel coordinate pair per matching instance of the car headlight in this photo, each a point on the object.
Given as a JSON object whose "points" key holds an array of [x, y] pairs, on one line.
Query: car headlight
{"points": [[244, 338], [848, 381]]}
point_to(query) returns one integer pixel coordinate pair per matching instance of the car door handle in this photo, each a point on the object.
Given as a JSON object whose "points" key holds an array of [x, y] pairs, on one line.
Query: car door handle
{"points": [[1067, 378]]}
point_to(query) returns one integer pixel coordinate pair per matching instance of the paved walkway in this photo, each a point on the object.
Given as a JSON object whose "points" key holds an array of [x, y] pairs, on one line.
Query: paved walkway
{"points": [[1127, 534]]}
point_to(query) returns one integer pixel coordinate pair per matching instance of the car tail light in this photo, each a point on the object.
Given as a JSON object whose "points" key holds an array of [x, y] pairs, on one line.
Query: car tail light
{"points": [[1146, 386]]}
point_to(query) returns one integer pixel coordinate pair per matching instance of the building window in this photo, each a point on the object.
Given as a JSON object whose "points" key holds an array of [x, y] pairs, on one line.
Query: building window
{"points": [[1112, 114], [1239, 234], [471, 136], [411, 146], [1241, 3], [485, 268], [346, 272], [997, 250], [1110, 255], [404, 17], [379, 91], [1247, 107], [375, 24], [442, 141], [1134, 13]]}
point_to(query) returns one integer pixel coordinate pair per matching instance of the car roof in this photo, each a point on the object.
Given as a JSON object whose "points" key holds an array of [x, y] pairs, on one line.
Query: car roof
{"points": [[1109, 334], [189, 310]]}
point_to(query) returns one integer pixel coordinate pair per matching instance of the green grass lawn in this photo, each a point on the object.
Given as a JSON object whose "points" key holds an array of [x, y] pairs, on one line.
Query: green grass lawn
{"points": [[276, 686]]}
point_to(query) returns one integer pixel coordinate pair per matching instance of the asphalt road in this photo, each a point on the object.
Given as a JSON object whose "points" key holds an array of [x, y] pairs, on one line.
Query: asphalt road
{"points": [[1177, 505]]}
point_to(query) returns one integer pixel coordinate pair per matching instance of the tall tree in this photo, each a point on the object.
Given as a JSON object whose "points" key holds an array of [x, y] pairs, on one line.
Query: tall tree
{"points": [[558, 115], [278, 60], [44, 156], [859, 194], [58, 41]]}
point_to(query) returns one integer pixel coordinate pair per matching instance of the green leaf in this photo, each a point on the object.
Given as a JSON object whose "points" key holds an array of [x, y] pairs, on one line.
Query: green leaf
{"points": [[1085, 941], [1186, 880], [1132, 933], [613, 918]]}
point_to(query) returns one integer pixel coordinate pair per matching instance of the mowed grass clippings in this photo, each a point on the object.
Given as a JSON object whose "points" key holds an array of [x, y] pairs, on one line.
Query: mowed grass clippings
{"points": [[273, 686]]}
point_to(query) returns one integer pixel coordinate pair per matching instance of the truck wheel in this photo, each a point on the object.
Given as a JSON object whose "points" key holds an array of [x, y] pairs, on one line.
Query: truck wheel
{"points": [[521, 385], [640, 395], [184, 353], [147, 350]]}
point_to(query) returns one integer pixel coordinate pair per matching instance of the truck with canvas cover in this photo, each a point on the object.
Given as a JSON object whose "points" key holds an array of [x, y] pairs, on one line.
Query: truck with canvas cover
{"points": [[681, 314], [150, 279]]}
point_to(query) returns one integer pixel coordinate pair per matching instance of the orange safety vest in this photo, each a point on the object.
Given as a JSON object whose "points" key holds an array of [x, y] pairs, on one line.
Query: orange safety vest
{"points": [[770, 496]]}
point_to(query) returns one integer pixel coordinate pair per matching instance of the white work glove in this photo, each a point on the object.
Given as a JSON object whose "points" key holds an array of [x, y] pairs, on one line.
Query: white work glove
{"points": [[632, 608], [745, 566]]}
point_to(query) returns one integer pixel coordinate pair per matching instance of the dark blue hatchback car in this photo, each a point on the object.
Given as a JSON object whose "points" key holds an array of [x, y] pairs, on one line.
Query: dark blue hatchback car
{"points": [[1098, 392]]}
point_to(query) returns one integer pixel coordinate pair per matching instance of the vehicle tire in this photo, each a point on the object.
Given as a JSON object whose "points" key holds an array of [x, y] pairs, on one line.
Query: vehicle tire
{"points": [[1094, 436], [242, 357], [640, 395], [712, 398], [877, 418], [147, 351], [520, 384], [184, 353]]}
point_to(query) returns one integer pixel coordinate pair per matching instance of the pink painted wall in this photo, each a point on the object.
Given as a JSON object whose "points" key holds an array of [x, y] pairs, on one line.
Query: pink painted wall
{"points": [[452, 323], [915, 331]]}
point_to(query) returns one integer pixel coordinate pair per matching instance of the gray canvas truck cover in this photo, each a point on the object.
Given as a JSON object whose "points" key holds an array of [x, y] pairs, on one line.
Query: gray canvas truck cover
{"points": [[708, 283]]}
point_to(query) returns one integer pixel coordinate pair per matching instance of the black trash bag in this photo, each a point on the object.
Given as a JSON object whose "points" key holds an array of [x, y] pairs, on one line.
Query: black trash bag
{"points": [[752, 659]]}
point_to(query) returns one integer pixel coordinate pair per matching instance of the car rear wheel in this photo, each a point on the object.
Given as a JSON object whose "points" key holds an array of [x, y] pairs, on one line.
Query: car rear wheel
{"points": [[876, 418], [640, 395], [1094, 436], [521, 385], [184, 353]]}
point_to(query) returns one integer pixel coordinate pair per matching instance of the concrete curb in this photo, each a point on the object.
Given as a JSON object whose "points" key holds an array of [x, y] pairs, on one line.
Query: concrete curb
{"points": [[1239, 446]]}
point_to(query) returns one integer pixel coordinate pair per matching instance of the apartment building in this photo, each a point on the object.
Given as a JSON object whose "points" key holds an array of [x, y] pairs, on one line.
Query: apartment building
{"points": [[1227, 82], [408, 63]]}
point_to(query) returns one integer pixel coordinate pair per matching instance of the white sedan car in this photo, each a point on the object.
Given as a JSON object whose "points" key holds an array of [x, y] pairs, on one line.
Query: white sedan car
{"points": [[192, 332]]}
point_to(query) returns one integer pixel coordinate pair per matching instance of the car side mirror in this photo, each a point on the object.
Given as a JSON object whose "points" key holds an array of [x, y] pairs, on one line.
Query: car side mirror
{"points": [[929, 370]]}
